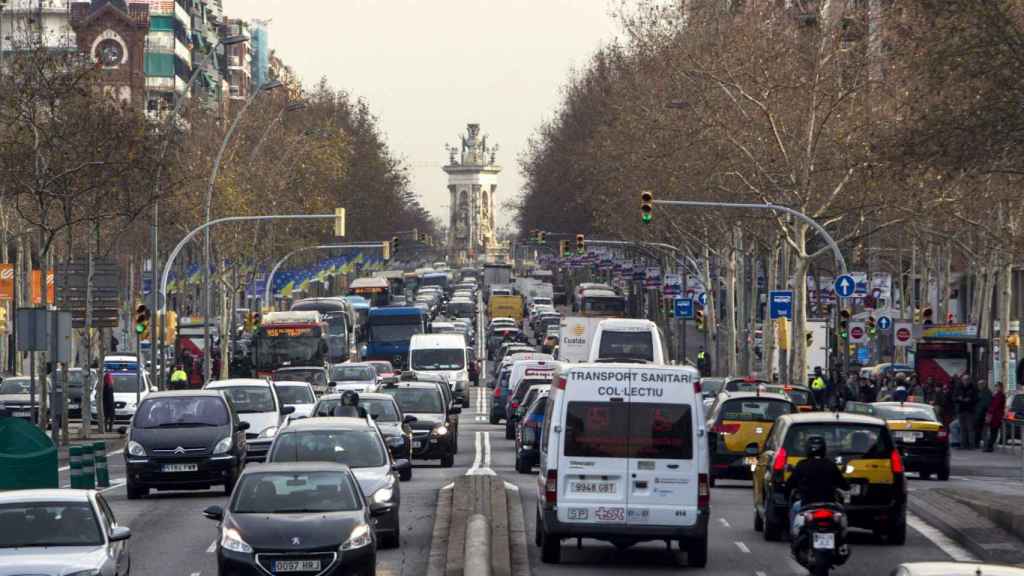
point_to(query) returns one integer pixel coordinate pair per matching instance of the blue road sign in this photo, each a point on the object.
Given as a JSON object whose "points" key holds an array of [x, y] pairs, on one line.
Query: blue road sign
{"points": [[845, 286], [884, 323], [780, 304], [684, 308], [703, 299]]}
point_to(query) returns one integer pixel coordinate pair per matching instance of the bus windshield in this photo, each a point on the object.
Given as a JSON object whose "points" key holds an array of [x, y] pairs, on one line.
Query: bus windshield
{"points": [[613, 306], [272, 352]]}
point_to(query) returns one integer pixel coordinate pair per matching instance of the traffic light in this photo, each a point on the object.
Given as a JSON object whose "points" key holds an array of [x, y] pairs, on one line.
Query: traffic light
{"points": [[871, 326], [170, 327], [1013, 340], [698, 315], [541, 236], [141, 320], [394, 245], [844, 324], [926, 314], [563, 248], [581, 245], [646, 207], [3, 321]]}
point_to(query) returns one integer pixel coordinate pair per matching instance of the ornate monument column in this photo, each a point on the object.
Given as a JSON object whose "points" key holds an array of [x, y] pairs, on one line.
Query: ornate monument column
{"points": [[472, 184]]}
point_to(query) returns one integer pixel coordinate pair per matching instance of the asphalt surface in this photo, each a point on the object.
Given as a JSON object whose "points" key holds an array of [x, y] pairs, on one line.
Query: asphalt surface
{"points": [[171, 537]]}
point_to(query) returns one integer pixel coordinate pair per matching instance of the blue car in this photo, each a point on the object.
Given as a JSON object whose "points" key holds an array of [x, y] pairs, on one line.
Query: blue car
{"points": [[530, 430]]}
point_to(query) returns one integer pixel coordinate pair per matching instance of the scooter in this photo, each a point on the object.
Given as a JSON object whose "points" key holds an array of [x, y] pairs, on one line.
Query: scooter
{"points": [[819, 537]]}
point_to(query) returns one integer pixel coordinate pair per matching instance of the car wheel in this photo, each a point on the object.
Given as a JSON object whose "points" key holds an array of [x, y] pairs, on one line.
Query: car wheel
{"points": [[697, 552], [925, 475], [538, 538], [405, 475], [134, 492], [448, 461], [943, 474], [550, 549], [897, 533], [772, 528], [758, 522]]}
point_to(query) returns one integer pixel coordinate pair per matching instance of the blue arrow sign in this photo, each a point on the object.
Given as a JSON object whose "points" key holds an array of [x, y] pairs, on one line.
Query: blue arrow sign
{"points": [[845, 286], [884, 323], [684, 308], [703, 299], [780, 304]]}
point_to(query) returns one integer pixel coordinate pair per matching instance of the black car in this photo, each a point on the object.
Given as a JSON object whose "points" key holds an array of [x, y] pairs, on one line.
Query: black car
{"points": [[302, 518], [528, 434], [393, 425], [184, 440], [449, 398], [76, 377], [431, 435]]}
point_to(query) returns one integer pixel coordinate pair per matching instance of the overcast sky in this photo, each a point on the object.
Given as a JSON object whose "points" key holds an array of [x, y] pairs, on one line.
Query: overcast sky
{"points": [[429, 67]]}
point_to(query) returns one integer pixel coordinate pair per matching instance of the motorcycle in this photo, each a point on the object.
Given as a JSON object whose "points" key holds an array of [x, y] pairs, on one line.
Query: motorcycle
{"points": [[819, 537]]}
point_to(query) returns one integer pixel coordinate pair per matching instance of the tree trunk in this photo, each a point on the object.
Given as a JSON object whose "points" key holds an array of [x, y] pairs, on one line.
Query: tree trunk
{"points": [[87, 366], [1005, 298], [798, 340], [768, 326], [710, 317], [987, 290], [752, 310], [730, 306]]}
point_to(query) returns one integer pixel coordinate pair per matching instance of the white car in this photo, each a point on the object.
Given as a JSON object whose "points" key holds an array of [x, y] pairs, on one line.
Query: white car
{"points": [[256, 402], [298, 395], [129, 390]]}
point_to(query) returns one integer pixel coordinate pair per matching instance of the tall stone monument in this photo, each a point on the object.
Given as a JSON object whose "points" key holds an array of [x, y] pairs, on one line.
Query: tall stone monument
{"points": [[472, 185]]}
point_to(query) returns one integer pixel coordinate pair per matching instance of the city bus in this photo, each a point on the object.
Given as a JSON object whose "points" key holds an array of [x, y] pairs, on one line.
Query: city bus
{"points": [[376, 290], [340, 318], [289, 339], [596, 302]]}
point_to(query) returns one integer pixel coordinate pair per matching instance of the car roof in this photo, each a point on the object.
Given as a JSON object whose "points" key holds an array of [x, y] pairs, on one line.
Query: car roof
{"points": [[837, 417], [292, 369], [438, 340], [762, 395], [183, 394], [421, 384], [356, 364], [44, 495], [902, 404], [369, 396], [231, 382], [307, 466], [327, 423], [295, 383], [626, 323]]}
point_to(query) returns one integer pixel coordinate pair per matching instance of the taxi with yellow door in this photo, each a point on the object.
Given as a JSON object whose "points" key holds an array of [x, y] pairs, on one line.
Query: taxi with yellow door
{"points": [[861, 446], [735, 422], [800, 395], [917, 432]]}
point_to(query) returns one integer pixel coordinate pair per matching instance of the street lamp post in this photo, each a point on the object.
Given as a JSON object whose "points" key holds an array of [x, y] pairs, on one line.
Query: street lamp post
{"points": [[266, 87]]}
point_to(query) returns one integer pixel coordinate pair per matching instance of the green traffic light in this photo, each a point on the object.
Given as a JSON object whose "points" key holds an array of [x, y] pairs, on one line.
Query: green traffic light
{"points": [[140, 328], [645, 217]]}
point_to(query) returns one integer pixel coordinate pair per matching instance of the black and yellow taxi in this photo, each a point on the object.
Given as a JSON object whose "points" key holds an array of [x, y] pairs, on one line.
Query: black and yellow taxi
{"points": [[863, 449], [917, 432], [801, 396], [736, 422]]}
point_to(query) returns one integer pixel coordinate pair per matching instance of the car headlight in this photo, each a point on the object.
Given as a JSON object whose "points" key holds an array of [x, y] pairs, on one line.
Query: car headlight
{"points": [[136, 449], [223, 447], [361, 536], [384, 494], [268, 432], [440, 430], [231, 540]]}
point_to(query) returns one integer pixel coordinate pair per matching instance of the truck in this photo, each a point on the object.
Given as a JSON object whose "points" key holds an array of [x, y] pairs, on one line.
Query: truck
{"points": [[575, 336], [496, 275], [506, 307], [389, 331]]}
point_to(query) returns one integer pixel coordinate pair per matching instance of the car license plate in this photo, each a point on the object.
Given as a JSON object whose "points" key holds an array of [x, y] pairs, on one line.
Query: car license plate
{"points": [[180, 467], [592, 487], [910, 437], [297, 566], [855, 489], [74, 406], [750, 460], [21, 414], [824, 541], [416, 444]]}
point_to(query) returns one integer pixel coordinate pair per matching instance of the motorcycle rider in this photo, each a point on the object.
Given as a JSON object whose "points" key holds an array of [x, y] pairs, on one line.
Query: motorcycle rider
{"points": [[349, 405], [815, 478]]}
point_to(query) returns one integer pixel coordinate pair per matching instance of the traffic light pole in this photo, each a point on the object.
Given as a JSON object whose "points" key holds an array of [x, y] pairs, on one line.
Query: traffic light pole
{"points": [[277, 266], [169, 263]]}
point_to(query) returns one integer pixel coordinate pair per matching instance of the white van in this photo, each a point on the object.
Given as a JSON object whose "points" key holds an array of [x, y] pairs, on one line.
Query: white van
{"points": [[628, 340], [624, 459], [444, 354]]}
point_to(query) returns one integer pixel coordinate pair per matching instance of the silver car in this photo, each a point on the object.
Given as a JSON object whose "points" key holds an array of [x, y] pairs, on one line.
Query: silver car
{"points": [[61, 533]]}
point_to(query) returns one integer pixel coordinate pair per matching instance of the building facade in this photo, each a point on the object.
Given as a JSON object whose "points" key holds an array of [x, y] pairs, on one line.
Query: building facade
{"points": [[168, 53], [26, 24], [472, 186], [260, 52], [238, 60], [113, 35]]}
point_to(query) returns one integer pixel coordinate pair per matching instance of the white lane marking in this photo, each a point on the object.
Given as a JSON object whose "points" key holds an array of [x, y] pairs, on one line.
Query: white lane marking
{"points": [[956, 552], [743, 547], [487, 449], [482, 458], [195, 574], [478, 452], [109, 454], [212, 547], [760, 573], [724, 522]]}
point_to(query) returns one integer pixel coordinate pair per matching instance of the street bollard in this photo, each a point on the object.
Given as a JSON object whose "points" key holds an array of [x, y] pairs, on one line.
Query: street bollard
{"points": [[99, 454], [75, 466], [88, 468]]}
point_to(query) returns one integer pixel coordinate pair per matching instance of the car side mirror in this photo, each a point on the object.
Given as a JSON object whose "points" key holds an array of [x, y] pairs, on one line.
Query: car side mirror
{"points": [[456, 409], [214, 513], [285, 410], [395, 442], [409, 419], [242, 426], [120, 533], [752, 449]]}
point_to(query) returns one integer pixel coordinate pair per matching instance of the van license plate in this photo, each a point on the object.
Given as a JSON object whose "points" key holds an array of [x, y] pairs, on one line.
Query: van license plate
{"points": [[824, 541], [592, 487], [855, 489], [297, 566], [180, 467]]}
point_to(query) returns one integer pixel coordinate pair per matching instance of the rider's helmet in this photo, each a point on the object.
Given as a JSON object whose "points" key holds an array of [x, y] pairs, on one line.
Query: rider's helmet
{"points": [[816, 447], [349, 398]]}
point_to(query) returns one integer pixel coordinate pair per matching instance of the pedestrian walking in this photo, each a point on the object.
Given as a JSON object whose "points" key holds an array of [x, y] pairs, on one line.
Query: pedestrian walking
{"points": [[980, 411], [965, 396], [916, 390], [945, 401], [108, 403], [994, 417], [899, 390]]}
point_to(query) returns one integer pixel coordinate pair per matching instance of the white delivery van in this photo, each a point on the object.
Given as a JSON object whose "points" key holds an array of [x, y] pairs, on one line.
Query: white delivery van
{"points": [[628, 340], [624, 459], [575, 334], [444, 354]]}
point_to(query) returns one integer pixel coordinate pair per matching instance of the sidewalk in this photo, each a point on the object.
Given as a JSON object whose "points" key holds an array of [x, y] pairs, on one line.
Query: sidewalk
{"points": [[981, 507], [113, 440]]}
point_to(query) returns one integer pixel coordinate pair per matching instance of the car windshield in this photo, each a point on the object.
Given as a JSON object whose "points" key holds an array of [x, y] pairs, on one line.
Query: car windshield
{"points": [[295, 492], [127, 383], [39, 524], [743, 385], [855, 440], [295, 395], [381, 409], [626, 345], [754, 409], [15, 386], [311, 376], [75, 378], [354, 448], [905, 412], [383, 367], [347, 373], [250, 399], [181, 411], [421, 400], [438, 359]]}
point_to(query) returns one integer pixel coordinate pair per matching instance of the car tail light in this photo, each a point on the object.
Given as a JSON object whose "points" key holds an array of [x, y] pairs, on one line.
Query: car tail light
{"points": [[779, 464], [703, 492], [897, 462], [726, 428], [497, 391], [942, 435], [515, 405], [697, 387], [561, 383], [551, 488]]}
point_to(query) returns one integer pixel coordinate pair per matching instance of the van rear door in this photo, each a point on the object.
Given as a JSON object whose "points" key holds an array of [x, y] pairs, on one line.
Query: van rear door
{"points": [[593, 454], [663, 449]]}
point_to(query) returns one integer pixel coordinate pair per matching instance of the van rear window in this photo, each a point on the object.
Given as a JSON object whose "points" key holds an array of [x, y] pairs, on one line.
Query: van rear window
{"points": [[626, 346], [629, 430]]}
